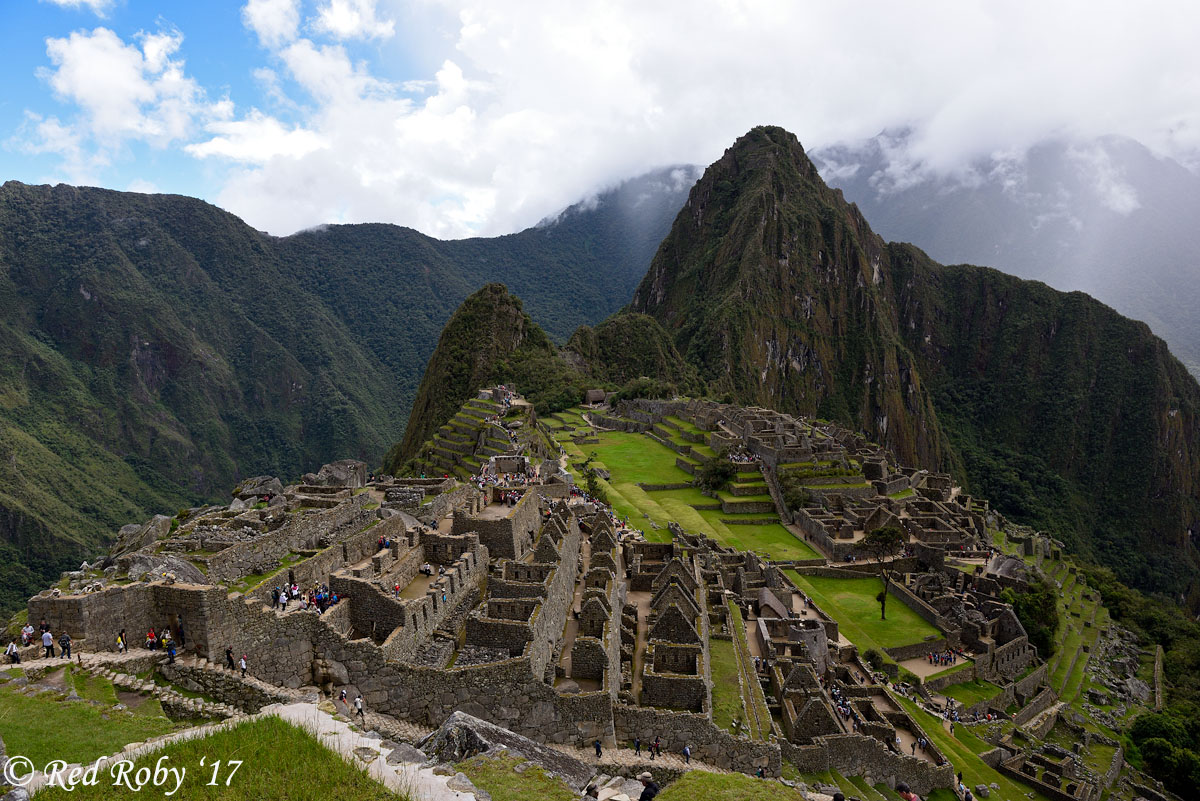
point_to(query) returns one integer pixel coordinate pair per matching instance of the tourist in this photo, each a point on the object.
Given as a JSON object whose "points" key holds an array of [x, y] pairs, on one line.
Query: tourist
{"points": [[170, 652], [43, 627], [596, 745], [637, 746], [906, 794], [687, 755], [64, 643], [657, 745], [229, 659], [27, 633], [179, 633], [11, 652], [358, 706], [48, 643], [121, 647], [649, 788], [242, 665], [342, 697]]}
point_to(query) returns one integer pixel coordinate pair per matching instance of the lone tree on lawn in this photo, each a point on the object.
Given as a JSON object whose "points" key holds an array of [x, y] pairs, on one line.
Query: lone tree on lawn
{"points": [[880, 543]]}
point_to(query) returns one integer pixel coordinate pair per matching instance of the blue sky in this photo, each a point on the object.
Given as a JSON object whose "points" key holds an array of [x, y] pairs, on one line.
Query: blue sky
{"points": [[461, 117]]}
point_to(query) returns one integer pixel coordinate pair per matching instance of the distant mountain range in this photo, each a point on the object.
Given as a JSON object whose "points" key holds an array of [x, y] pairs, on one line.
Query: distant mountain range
{"points": [[1106, 217], [154, 349]]}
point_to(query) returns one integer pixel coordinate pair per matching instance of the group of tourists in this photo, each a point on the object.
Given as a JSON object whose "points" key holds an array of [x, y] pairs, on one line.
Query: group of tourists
{"points": [[158, 641], [650, 788], [943, 658], [319, 597]]}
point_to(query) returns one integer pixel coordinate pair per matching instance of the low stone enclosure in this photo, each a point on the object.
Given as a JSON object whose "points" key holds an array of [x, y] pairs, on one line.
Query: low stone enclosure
{"points": [[523, 609]]}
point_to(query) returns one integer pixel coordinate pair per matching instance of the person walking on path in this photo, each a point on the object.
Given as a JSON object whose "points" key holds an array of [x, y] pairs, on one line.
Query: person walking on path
{"points": [[599, 753], [64, 643], [48, 644], [358, 706], [11, 652], [229, 659], [657, 745], [170, 652], [687, 755], [242, 665], [121, 642], [637, 746]]}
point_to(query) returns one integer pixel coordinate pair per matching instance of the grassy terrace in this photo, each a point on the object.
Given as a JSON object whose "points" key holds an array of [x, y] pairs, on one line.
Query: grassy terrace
{"points": [[279, 761], [727, 704], [46, 726], [634, 459], [758, 717], [727, 787], [852, 604], [971, 692], [963, 748], [497, 777]]}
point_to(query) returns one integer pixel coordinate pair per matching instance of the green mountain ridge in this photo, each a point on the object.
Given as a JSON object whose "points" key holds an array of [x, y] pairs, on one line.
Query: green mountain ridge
{"points": [[156, 349]]}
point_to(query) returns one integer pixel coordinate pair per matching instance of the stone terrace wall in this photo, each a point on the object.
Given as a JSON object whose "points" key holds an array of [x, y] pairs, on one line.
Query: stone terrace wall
{"points": [[373, 613], [859, 755], [98, 617], [1040, 703], [708, 743], [316, 569], [923, 609], [1026, 686], [228, 688]]}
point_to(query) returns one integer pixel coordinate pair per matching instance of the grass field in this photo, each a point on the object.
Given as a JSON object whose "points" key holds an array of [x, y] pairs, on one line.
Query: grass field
{"points": [[633, 459], [279, 761], [46, 726], [971, 692], [698, 784], [852, 604], [727, 701]]}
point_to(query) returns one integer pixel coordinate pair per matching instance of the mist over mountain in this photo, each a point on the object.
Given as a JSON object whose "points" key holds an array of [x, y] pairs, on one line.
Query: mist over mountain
{"points": [[1106, 217]]}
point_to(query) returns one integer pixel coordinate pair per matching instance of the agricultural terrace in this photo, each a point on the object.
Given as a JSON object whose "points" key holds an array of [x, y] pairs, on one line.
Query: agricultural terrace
{"points": [[636, 459]]}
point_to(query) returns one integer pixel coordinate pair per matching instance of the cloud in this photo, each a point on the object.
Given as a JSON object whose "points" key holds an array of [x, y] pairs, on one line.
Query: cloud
{"points": [[1112, 190], [98, 7], [352, 19], [256, 139], [275, 22], [463, 117]]}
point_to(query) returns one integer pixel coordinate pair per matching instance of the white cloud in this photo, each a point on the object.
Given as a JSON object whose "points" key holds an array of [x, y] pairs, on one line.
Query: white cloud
{"points": [[1108, 182], [123, 91], [352, 19], [275, 22], [256, 139], [98, 7], [518, 108], [143, 186]]}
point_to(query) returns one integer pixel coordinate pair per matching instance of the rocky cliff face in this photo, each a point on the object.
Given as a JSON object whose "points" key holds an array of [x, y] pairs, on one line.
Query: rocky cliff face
{"points": [[1065, 414]]}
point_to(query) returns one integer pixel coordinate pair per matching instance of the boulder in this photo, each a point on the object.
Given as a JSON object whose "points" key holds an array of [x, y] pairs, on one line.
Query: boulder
{"points": [[156, 567], [405, 754], [461, 784], [258, 487], [342, 473], [462, 736], [982, 791], [134, 537]]}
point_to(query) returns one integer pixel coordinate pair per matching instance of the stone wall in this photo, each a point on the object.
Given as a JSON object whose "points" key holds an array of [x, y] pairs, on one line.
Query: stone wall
{"points": [[923, 609], [589, 660], [224, 686], [1026, 686], [1040, 703], [708, 743], [304, 531], [860, 755], [508, 537]]}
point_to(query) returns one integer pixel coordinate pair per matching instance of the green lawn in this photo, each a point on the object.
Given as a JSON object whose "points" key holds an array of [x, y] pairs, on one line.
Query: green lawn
{"points": [[852, 604], [699, 784], [46, 726], [633, 459], [971, 692], [279, 761], [727, 703]]}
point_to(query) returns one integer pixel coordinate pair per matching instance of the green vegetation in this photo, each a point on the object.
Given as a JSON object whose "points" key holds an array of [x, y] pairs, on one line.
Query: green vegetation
{"points": [[46, 726], [852, 603], [717, 474], [757, 722], [495, 775], [971, 692], [727, 787], [1037, 609], [727, 703], [278, 761]]}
